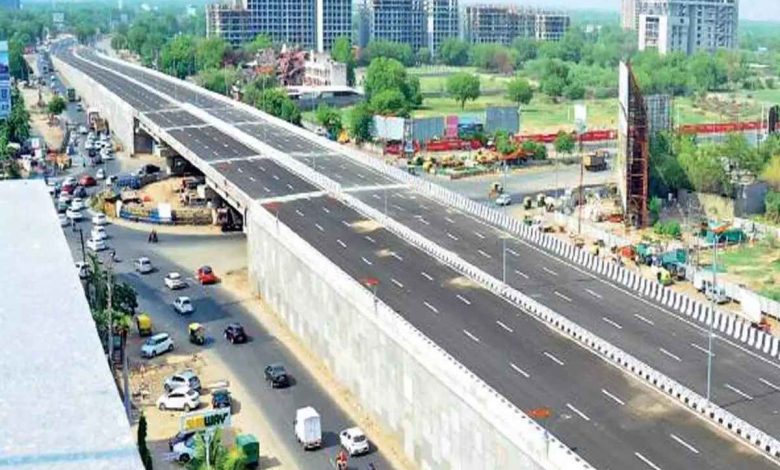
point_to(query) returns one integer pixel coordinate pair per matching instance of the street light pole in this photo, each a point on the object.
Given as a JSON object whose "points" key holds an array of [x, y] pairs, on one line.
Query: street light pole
{"points": [[712, 312]]}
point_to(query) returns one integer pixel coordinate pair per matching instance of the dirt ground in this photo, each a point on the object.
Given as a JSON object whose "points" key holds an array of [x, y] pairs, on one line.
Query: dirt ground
{"points": [[39, 118], [163, 191]]}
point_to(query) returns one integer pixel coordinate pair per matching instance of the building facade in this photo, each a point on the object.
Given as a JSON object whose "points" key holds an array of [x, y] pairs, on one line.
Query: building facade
{"points": [[321, 71], [5, 81], [310, 24], [418, 23], [686, 26], [443, 22], [502, 24]]}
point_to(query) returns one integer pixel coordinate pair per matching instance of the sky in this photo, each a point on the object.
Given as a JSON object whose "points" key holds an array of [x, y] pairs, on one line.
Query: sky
{"points": [[762, 10]]}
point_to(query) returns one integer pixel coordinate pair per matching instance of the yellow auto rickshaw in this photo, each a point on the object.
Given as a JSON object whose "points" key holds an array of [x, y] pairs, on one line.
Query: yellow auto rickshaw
{"points": [[144, 324], [197, 334]]}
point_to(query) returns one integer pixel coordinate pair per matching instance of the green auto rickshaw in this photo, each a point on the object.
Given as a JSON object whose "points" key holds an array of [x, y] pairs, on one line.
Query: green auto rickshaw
{"points": [[251, 448]]}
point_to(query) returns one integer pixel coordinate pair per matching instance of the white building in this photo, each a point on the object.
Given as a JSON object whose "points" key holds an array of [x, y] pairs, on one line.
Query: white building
{"points": [[320, 70], [686, 26]]}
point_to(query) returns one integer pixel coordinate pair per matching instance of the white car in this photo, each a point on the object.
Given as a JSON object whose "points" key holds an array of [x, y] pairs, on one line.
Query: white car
{"points": [[156, 345], [98, 233], [65, 197], [354, 441], [77, 204], [64, 220], [101, 174], [184, 451], [83, 269], [183, 305], [143, 265], [504, 200], [186, 378], [96, 245], [99, 219], [73, 215], [70, 180], [182, 398], [174, 281], [83, 130]]}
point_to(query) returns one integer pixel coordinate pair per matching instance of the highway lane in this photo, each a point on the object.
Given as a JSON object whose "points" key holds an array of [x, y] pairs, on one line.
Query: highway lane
{"points": [[600, 412], [445, 341], [263, 178], [746, 385]]}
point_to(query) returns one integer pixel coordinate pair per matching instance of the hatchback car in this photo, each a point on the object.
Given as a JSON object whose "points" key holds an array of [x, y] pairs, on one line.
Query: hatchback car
{"points": [[184, 451], [99, 219], [206, 275], [87, 181], [83, 269], [276, 375], [98, 233], [80, 191], [96, 245], [183, 305], [101, 174], [156, 345], [174, 281], [76, 204], [143, 265], [73, 214], [220, 398], [180, 436], [354, 441], [182, 398], [64, 220], [235, 333], [504, 200], [185, 378]]}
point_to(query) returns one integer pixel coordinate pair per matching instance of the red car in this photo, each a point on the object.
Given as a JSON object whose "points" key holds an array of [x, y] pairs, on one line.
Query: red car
{"points": [[67, 189], [87, 181], [206, 275]]}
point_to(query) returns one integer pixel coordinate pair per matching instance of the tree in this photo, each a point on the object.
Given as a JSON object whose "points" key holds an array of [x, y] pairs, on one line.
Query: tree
{"points": [[143, 449], [554, 79], [342, 52], [361, 118], [210, 53], [218, 80], [220, 458], [261, 42], [390, 102], [177, 58], [16, 63], [574, 90], [389, 74], [275, 102], [526, 48], [537, 151], [453, 52], [390, 50], [423, 56], [564, 143], [654, 208], [119, 42], [56, 106], [519, 91], [504, 143], [493, 57], [18, 123], [329, 118], [463, 87]]}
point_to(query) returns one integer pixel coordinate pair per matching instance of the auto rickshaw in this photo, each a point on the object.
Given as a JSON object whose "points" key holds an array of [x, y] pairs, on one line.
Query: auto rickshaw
{"points": [[250, 446], [496, 189], [144, 324], [197, 334]]}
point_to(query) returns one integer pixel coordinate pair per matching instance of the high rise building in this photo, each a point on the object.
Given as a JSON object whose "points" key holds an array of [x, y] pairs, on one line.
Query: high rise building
{"points": [[443, 22], [5, 81], [419, 23], [686, 26], [483, 23], [310, 24], [10, 4]]}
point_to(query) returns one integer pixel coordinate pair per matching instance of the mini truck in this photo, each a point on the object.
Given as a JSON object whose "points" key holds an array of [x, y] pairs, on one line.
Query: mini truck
{"points": [[307, 427]]}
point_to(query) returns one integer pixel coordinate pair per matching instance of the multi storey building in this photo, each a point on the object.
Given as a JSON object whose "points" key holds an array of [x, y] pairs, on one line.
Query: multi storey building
{"points": [[485, 23], [310, 24], [443, 22], [686, 26], [419, 23], [5, 81]]}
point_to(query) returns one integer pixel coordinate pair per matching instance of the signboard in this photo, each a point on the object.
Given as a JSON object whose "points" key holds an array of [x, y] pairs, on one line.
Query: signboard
{"points": [[580, 118], [205, 420], [164, 211]]}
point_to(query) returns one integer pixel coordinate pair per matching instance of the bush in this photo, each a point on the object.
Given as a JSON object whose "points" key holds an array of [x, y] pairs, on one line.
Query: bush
{"points": [[654, 207], [669, 228]]}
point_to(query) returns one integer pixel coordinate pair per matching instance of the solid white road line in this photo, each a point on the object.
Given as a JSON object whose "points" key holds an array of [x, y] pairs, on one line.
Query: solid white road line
{"points": [[673, 356], [452, 236], [612, 322], [484, 254], [502, 325], [617, 400], [366, 261], [594, 294], [641, 318], [369, 239], [519, 371], [553, 358], [319, 227], [463, 299], [299, 212], [580, 413], [521, 274], [647, 461], [396, 256], [400, 286], [738, 391], [684, 444], [343, 245], [426, 275], [479, 235], [471, 336], [768, 383], [431, 307], [562, 296], [704, 350], [549, 271]]}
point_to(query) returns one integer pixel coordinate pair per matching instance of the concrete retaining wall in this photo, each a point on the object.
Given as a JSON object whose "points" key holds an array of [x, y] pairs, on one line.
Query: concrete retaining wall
{"points": [[118, 113], [443, 415]]}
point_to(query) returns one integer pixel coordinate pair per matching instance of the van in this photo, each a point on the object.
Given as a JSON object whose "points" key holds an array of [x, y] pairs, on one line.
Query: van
{"points": [[715, 293], [307, 428]]}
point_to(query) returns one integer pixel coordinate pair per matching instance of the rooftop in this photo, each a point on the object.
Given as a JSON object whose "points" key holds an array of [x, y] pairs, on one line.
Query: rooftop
{"points": [[59, 406]]}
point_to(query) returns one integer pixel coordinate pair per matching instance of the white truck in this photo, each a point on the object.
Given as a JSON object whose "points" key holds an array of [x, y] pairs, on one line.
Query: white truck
{"points": [[307, 428]]}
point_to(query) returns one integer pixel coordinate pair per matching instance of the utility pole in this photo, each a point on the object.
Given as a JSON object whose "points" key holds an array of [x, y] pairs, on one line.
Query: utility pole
{"points": [[716, 233], [582, 182], [110, 289]]}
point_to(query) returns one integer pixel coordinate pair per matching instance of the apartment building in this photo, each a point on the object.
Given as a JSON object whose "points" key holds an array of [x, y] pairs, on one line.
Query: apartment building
{"points": [[686, 26], [321, 71], [419, 23], [484, 23], [310, 24], [5, 81], [443, 22]]}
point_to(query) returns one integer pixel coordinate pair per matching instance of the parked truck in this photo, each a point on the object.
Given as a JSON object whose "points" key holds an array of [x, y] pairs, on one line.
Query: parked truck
{"points": [[307, 428], [71, 92], [595, 161]]}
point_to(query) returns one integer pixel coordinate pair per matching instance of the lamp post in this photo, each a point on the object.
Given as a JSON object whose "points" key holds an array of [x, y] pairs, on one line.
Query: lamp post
{"points": [[373, 284], [715, 241]]}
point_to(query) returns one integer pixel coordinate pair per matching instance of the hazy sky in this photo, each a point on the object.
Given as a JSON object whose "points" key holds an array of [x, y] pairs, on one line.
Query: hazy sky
{"points": [[765, 10]]}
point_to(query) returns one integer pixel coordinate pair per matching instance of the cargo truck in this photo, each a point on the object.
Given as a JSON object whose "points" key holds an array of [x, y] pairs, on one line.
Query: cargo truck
{"points": [[307, 428], [71, 93], [595, 161]]}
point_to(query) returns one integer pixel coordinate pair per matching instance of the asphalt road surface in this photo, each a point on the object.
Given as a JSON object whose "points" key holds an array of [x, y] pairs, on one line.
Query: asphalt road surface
{"points": [[609, 418]]}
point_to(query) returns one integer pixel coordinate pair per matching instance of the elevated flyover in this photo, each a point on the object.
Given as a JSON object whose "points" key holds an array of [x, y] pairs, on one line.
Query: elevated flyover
{"points": [[313, 188]]}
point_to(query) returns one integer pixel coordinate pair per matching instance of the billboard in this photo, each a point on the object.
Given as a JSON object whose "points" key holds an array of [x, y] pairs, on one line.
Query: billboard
{"points": [[5, 81], [202, 420]]}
